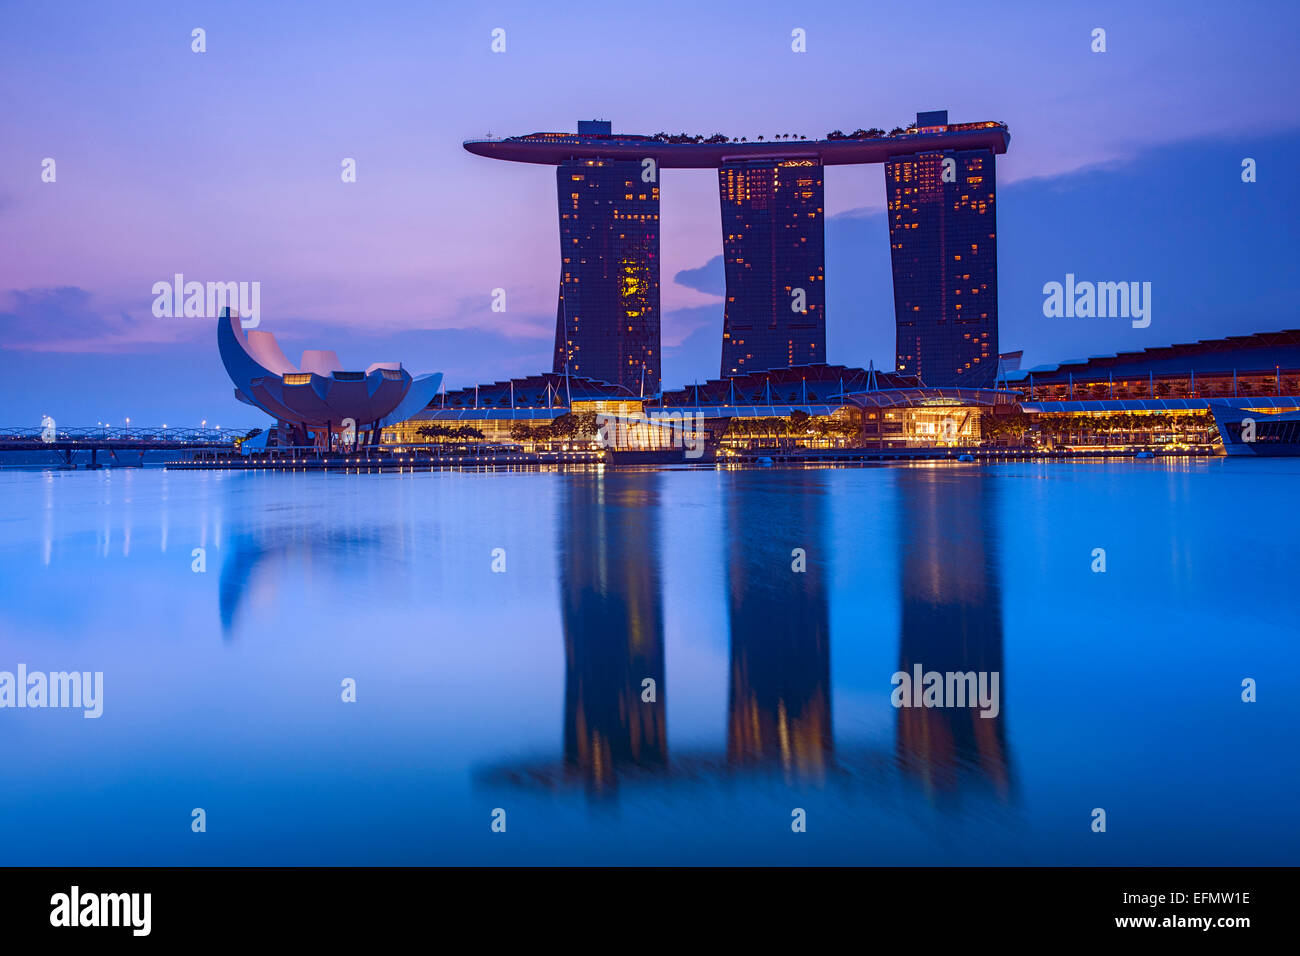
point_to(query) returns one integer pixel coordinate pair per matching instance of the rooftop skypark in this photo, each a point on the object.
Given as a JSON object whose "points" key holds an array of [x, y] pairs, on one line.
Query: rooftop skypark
{"points": [[697, 151]]}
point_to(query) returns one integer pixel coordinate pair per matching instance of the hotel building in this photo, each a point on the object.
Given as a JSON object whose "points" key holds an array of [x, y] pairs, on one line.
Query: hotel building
{"points": [[773, 247], [943, 243], [607, 316], [943, 247]]}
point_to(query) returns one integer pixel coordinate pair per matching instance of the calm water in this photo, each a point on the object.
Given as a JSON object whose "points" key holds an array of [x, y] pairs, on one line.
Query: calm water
{"points": [[522, 690]]}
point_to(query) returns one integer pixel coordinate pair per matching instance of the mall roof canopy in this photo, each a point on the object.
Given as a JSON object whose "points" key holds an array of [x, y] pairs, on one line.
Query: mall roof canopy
{"points": [[547, 414], [797, 385], [490, 414], [548, 391], [1160, 404], [1248, 354], [921, 397], [746, 411]]}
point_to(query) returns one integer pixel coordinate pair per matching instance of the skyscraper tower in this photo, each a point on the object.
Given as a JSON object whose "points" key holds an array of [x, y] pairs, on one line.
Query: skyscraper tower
{"points": [[943, 247], [773, 242], [607, 318]]}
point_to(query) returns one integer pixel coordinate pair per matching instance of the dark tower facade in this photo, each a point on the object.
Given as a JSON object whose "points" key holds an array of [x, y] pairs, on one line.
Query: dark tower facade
{"points": [[943, 246], [607, 319], [773, 241]]}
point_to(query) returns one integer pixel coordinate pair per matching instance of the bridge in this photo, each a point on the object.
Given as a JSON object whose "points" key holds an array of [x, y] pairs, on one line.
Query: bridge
{"points": [[64, 442]]}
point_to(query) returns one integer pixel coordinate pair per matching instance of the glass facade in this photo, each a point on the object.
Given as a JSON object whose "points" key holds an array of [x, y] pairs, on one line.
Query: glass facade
{"points": [[943, 246], [607, 318], [774, 252]]}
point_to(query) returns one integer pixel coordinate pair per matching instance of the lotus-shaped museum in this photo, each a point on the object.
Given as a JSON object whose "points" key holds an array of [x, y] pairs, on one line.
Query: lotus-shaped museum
{"points": [[318, 398]]}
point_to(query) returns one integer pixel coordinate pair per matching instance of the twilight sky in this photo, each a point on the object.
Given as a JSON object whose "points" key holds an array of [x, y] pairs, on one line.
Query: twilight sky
{"points": [[225, 165]]}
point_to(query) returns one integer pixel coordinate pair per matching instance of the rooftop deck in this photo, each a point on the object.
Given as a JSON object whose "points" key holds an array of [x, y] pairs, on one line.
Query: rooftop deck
{"points": [[550, 149]]}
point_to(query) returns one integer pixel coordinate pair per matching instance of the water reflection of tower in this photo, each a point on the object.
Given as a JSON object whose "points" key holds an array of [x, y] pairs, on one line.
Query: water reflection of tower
{"points": [[612, 610], [951, 621], [779, 707]]}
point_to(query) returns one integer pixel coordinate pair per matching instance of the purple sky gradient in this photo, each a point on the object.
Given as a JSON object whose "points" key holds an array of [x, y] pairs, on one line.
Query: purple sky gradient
{"points": [[225, 165]]}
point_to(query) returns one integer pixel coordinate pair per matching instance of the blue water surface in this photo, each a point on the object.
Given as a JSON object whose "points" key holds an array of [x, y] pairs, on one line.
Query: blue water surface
{"points": [[522, 690]]}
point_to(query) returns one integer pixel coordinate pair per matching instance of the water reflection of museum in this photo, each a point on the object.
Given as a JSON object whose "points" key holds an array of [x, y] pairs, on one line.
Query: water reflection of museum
{"points": [[779, 715]]}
